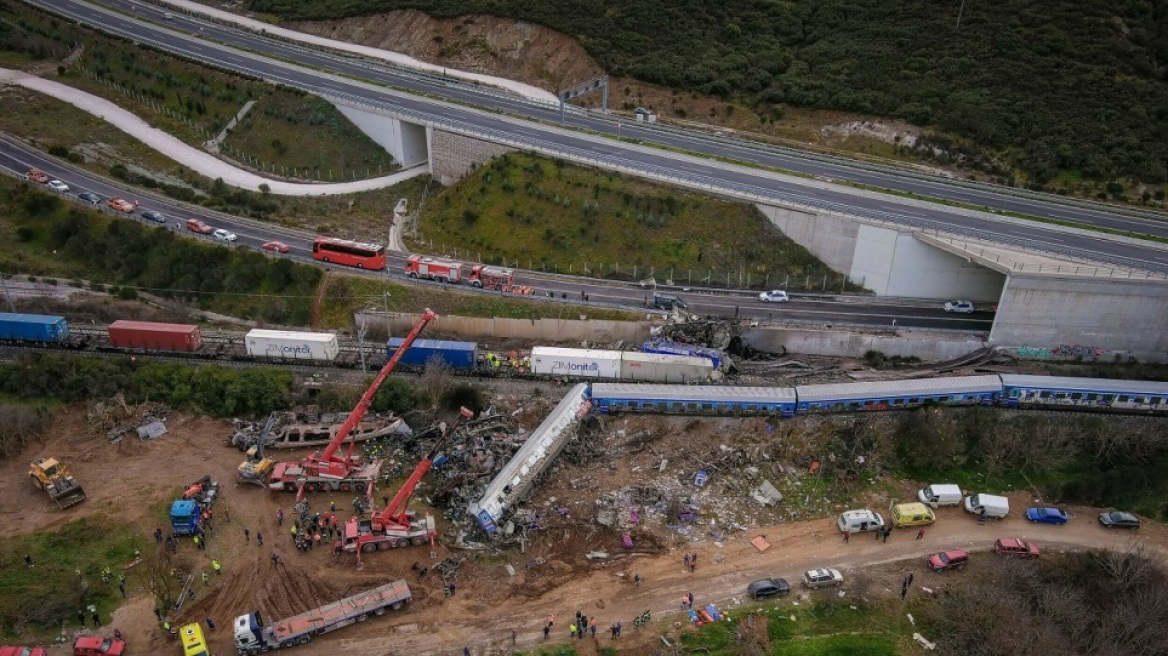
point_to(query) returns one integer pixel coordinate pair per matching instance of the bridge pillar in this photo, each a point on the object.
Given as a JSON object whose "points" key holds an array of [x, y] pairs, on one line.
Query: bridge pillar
{"points": [[407, 142]]}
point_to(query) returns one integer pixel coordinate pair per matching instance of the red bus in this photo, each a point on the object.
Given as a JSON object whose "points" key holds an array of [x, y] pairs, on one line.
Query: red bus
{"points": [[349, 253]]}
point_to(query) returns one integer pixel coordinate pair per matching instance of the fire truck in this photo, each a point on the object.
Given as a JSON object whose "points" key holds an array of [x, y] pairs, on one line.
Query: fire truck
{"points": [[491, 277], [433, 268], [327, 471]]}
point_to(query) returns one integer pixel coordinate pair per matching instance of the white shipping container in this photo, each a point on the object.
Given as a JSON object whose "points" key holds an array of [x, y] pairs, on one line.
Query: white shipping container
{"points": [[292, 345], [579, 363], [664, 368]]}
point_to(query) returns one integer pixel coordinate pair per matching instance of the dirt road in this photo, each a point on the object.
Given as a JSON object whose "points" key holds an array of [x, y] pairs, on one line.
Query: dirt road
{"points": [[485, 624]]}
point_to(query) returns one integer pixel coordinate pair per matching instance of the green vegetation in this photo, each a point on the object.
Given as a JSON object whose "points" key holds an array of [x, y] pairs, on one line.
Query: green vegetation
{"points": [[345, 295], [211, 389], [822, 628], [532, 212], [1088, 459], [1061, 93], [44, 236], [65, 577], [292, 129]]}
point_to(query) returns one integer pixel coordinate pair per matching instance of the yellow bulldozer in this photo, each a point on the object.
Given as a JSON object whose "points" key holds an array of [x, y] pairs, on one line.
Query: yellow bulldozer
{"points": [[52, 476]]}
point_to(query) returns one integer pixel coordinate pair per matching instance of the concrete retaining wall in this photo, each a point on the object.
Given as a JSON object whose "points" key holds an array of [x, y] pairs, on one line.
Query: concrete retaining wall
{"points": [[452, 156], [928, 346], [1097, 318], [407, 142]]}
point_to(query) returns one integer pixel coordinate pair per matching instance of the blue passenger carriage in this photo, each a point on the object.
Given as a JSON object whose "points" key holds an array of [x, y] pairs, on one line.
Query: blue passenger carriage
{"points": [[1087, 393], [898, 394], [610, 398]]}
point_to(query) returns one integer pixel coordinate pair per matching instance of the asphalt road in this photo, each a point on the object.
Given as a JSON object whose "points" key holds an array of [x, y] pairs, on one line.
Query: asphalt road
{"points": [[664, 164], [810, 309]]}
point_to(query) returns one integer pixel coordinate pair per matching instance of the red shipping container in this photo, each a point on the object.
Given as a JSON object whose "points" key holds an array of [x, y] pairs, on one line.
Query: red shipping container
{"points": [[151, 335]]}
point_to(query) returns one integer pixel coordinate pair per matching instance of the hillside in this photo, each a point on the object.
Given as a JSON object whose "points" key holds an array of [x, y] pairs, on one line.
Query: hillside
{"points": [[1051, 92]]}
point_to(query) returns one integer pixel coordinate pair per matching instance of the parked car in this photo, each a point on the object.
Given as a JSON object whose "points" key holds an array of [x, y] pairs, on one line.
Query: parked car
{"points": [[774, 296], [763, 588], [1119, 519], [667, 302], [120, 204], [23, 651], [856, 521], [90, 197], [947, 560], [37, 176], [57, 185], [195, 225], [1047, 515], [822, 578], [151, 215], [275, 246], [98, 646], [963, 307], [1016, 547], [224, 235]]}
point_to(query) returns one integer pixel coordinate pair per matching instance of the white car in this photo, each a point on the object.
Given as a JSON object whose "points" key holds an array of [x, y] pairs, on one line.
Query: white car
{"points": [[963, 307], [57, 185], [224, 235], [822, 578], [774, 296]]}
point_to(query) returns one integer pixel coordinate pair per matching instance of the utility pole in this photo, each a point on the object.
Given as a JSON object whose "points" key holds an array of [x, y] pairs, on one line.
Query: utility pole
{"points": [[361, 340], [959, 14], [7, 296], [388, 330]]}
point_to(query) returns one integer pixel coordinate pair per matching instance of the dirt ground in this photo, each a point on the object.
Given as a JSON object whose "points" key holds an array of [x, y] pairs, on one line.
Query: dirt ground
{"points": [[136, 480]]}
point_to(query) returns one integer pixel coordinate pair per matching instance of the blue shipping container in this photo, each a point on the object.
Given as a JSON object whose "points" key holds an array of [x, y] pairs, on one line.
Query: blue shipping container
{"points": [[458, 355], [33, 328]]}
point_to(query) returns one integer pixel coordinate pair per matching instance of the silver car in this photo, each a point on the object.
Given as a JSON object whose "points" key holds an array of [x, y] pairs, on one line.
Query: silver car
{"points": [[224, 235], [822, 578], [960, 306]]}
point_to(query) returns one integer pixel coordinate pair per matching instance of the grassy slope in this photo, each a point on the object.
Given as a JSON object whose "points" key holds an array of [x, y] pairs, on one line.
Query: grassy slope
{"points": [[543, 214], [1077, 87], [312, 132]]}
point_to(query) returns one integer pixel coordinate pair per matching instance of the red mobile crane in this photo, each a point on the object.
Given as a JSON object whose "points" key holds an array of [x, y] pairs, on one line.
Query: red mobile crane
{"points": [[325, 470], [396, 525]]}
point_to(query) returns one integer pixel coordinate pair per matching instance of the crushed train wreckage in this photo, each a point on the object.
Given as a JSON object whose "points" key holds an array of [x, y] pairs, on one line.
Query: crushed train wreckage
{"points": [[308, 426]]}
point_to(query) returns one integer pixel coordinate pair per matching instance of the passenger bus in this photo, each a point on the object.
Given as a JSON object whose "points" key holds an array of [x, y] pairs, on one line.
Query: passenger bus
{"points": [[349, 253], [192, 640]]}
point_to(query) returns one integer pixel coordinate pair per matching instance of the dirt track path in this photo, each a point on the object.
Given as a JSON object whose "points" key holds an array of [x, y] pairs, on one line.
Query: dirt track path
{"points": [[445, 629]]}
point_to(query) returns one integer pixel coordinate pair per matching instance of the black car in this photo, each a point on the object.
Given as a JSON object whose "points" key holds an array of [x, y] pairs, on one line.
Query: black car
{"points": [[151, 215], [764, 588], [1119, 519], [89, 197]]}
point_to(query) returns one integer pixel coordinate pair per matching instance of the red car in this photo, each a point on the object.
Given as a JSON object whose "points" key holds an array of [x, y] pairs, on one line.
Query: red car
{"points": [[23, 651], [1016, 547], [98, 646], [946, 560], [275, 246], [195, 225]]}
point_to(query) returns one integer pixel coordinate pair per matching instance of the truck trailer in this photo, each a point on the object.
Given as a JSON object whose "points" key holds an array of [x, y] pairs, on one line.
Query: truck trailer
{"points": [[252, 637]]}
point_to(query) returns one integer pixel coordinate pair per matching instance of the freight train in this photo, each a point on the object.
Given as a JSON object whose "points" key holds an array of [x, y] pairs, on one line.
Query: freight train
{"points": [[287, 347]]}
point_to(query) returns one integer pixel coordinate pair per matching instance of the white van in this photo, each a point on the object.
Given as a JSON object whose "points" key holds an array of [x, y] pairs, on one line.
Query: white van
{"points": [[994, 506], [944, 494], [855, 521]]}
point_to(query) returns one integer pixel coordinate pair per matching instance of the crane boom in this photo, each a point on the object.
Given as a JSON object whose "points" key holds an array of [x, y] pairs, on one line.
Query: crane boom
{"points": [[362, 407], [394, 515]]}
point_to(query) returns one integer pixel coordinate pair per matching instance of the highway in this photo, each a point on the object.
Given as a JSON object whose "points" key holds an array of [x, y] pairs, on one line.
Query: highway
{"points": [[810, 309], [661, 164]]}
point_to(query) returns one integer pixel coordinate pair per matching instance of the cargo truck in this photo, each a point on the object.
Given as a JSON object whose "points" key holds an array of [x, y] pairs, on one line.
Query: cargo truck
{"points": [[252, 637], [186, 514]]}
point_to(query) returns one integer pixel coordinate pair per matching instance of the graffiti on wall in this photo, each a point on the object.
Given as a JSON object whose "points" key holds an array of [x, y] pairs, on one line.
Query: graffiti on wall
{"points": [[1060, 351]]}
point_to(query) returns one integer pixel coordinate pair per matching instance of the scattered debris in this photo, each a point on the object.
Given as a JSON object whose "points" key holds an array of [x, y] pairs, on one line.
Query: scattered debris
{"points": [[308, 426], [766, 494], [760, 543]]}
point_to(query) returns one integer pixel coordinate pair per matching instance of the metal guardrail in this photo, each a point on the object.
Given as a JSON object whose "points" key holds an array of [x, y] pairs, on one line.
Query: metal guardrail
{"points": [[746, 192]]}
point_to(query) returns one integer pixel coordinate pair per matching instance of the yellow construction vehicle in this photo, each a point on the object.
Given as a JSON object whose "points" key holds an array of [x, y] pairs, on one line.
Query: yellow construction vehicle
{"points": [[257, 467], [53, 477]]}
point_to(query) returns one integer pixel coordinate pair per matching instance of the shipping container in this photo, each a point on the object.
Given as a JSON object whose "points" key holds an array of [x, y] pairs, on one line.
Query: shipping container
{"points": [[664, 368], [151, 335], [292, 345], [577, 363], [33, 328], [458, 355], [716, 357]]}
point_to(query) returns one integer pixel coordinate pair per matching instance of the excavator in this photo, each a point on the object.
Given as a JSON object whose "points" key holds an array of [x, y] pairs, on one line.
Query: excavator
{"points": [[326, 471], [396, 525], [52, 476]]}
